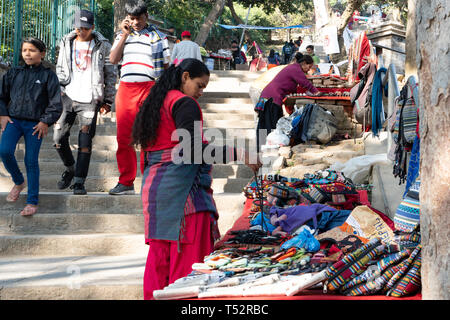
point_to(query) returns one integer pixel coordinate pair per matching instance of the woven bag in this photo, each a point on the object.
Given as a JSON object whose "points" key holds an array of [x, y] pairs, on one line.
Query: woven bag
{"points": [[407, 216]]}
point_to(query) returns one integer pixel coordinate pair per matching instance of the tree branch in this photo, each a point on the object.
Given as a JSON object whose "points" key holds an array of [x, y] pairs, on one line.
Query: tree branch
{"points": [[233, 12], [352, 5]]}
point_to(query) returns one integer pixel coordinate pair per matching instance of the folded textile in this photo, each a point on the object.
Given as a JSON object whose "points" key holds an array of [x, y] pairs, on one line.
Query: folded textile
{"points": [[403, 270], [339, 273], [410, 283], [373, 279], [292, 218]]}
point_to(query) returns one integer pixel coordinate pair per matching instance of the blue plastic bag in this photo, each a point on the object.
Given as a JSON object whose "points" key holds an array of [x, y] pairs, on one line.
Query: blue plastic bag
{"points": [[267, 226], [303, 240]]}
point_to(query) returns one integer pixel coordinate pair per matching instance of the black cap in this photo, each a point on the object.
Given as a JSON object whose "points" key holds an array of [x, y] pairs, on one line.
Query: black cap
{"points": [[84, 19]]}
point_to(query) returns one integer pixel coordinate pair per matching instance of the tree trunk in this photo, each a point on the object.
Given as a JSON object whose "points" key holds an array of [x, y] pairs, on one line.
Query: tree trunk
{"points": [[238, 19], [433, 58], [233, 12], [411, 36], [352, 5], [119, 12], [215, 12]]}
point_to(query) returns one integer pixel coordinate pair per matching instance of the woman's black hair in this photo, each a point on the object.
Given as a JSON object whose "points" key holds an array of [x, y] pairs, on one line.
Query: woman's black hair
{"points": [[147, 120], [272, 53], [298, 57], [306, 59], [39, 44]]}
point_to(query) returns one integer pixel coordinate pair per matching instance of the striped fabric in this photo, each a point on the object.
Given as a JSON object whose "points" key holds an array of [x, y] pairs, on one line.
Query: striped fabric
{"points": [[375, 285], [409, 120], [144, 55], [407, 216], [403, 270], [340, 272], [408, 240], [171, 191], [370, 281], [410, 283]]}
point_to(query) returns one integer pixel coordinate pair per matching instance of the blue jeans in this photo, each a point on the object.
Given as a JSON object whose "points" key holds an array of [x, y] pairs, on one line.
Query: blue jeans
{"points": [[13, 132]]}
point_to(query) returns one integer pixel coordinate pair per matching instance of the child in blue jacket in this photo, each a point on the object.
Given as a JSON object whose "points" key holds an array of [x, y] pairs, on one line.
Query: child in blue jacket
{"points": [[30, 102]]}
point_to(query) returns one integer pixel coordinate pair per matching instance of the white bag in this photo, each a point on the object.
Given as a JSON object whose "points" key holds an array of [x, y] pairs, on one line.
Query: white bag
{"points": [[276, 137]]}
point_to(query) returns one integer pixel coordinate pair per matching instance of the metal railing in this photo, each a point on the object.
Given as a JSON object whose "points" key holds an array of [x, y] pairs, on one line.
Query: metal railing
{"points": [[48, 20]]}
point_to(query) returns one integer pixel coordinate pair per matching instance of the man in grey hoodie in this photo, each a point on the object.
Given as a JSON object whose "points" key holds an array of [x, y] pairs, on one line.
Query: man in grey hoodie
{"points": [[87, 80]]}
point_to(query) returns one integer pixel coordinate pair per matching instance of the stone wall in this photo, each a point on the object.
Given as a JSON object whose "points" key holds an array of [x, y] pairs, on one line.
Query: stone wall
{"points": [[391, 35]]}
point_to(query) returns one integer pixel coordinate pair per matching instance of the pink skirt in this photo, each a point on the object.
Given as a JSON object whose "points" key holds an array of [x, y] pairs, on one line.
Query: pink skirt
{"points": [[165, 263]]}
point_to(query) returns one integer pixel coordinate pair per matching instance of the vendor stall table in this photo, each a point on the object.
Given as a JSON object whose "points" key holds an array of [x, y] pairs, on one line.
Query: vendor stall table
{"points": [[329, 100], [243, 222], [221, 62]]}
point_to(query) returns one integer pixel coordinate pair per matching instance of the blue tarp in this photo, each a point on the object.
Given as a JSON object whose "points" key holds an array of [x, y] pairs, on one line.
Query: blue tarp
{"points": [[242, 26]]}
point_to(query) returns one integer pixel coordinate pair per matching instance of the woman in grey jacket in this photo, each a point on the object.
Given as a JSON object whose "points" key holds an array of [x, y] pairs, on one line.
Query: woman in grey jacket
{"points": [[87, 80]]}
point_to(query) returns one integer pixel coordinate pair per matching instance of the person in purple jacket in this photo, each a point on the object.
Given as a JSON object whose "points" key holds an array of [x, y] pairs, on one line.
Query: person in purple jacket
{"points": [[269, 106]]}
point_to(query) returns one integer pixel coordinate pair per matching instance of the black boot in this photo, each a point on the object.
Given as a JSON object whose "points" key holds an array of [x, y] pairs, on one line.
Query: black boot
{"points": [[67, 158], [78, 188], [66, 179]]}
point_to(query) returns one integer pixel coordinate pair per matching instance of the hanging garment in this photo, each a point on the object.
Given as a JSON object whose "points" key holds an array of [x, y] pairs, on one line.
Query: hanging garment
{"points": [[361, 95], [378, 116], [414, 165]]}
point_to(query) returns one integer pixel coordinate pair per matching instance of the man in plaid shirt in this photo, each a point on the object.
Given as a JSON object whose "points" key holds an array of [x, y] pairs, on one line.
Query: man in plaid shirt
{"points": [[143, 53]]}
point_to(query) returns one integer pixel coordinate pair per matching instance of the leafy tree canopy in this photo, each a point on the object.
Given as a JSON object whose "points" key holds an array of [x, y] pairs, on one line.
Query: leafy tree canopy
{"points": [[285, 6]]}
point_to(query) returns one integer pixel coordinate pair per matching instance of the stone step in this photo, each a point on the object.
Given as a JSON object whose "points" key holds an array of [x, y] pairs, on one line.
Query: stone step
{"points": [[228, 108], [102, 130], [225, 100], [232, 85], [73, 277], [106, 244], [48, 153], [102, 168], [61, 212], [76, 220], [231, 124], [70, 223], [104, 184], [109, 142], [242, 75], [66, 202], [229, 116], [46, 221], [222, 94]]}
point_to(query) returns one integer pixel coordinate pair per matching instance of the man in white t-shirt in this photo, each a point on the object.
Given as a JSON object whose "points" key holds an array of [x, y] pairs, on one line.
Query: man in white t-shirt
{"points": [[87, 80], [185, 49]]}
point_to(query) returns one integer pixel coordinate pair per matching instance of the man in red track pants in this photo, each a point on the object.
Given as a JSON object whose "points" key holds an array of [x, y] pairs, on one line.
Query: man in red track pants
{"points": [[143, 53]]}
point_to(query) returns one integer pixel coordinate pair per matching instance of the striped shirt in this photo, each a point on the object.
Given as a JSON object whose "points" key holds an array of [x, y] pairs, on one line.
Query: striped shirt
{"points": [[144, 55]]}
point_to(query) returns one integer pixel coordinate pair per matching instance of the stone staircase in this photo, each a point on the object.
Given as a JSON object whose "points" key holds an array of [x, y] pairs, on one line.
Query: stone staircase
{"points": [[92, 246]]}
